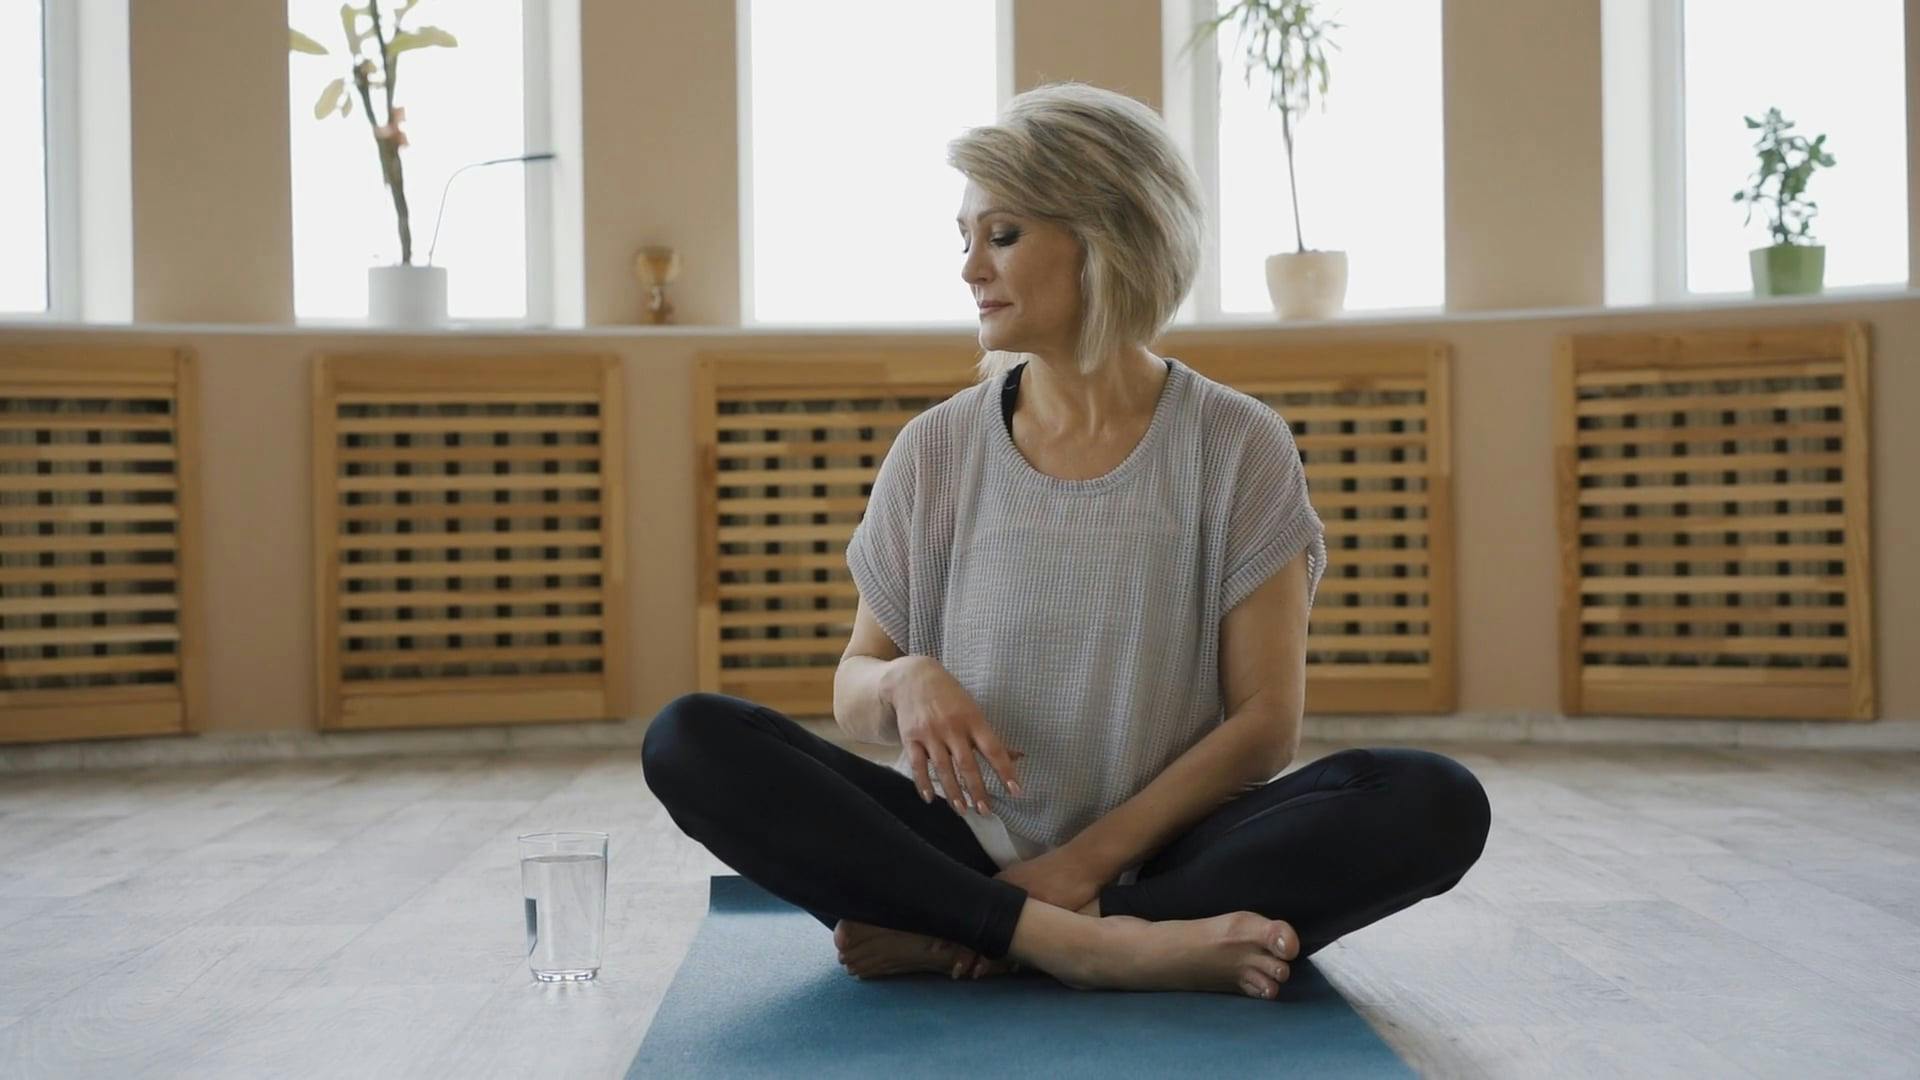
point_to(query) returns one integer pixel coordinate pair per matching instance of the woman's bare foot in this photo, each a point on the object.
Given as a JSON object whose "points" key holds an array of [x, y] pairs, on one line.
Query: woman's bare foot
{"points": [[869, 952], [1240, 953]]}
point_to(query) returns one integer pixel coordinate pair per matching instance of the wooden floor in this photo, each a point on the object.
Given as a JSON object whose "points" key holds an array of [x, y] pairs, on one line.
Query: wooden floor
{"points": [[1642, 912]]}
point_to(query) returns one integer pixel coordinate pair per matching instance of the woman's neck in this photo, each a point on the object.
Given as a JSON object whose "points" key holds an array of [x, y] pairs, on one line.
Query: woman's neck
{"points": [[1059, 402]]}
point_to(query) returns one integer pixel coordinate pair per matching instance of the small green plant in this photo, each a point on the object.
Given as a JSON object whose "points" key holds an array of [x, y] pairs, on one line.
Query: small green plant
{"points": [[1285, 40], [369, 38], [1792, 214]]}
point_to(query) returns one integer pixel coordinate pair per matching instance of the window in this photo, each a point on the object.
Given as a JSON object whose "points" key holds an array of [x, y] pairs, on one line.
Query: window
{"points": [[24, 287], [463, 105], [847, 197], [1843, 77], [1370, 166]]}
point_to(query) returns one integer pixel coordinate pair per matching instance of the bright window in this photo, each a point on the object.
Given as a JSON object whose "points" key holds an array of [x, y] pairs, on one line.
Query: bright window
{"points": [[1836, 70], [23, 147], [848, 195], [463, 105], [1370, 167]]}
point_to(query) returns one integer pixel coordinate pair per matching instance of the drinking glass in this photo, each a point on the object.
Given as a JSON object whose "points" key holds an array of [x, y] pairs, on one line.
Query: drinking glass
{"points": [[564, 878]]}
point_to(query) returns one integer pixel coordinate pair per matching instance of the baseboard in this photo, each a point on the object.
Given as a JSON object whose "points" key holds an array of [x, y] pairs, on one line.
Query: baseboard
{"points": [[217, 747]]}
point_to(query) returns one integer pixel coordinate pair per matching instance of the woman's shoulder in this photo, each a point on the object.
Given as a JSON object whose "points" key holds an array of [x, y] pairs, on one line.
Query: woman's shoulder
{"points": [[1230, 418], [931, 434]]}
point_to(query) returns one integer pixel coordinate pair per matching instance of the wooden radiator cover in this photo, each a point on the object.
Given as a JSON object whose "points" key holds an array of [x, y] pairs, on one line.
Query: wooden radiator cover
{"points": [[99, 554], [470, 562], [1714, 523], [787, 450], [1373, 425], [788, 447]]}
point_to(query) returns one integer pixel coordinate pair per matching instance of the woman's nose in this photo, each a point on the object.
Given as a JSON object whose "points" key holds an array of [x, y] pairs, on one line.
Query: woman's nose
{"points": [[975, 268]]}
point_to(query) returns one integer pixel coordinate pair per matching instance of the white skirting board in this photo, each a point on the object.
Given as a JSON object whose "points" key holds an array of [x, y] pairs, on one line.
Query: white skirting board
{"points": [[217, 747]]}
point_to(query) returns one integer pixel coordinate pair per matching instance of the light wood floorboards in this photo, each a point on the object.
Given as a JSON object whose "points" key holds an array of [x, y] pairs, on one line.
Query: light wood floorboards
{"points": [[1638, 911]]}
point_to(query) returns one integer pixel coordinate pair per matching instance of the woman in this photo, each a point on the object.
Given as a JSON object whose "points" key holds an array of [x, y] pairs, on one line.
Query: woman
{"points": [[1084, 585]]}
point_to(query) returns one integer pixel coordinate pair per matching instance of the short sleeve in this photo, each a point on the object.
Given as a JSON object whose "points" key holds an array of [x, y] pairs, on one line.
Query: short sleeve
{"points": [[1270, 521], [880, 553]]}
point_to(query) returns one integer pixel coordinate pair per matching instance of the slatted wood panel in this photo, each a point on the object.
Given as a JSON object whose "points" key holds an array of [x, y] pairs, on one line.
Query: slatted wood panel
{"points": [[1372, 423], [1714, 523], [789, 446], [99, 558], [469, 540]]}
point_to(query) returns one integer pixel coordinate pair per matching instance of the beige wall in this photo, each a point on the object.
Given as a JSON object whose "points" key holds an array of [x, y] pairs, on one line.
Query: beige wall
{"points": [[1523, 177], [211, 176], [659, 137], [256, 523], [1110, 43]]}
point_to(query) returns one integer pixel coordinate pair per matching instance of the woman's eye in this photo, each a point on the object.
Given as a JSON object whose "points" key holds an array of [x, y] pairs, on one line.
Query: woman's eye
{"points": [[1005, 239]]}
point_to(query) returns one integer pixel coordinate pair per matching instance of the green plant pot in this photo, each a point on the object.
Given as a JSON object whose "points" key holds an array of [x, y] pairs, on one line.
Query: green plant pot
{"points": [[1787, 269]]}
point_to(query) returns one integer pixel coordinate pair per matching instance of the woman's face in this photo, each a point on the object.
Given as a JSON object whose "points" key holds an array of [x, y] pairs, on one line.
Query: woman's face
{"points": [[1027, 271]]}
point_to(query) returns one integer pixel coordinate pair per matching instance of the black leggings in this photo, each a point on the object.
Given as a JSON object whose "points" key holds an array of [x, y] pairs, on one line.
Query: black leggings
{"points": [[1330, 847]]}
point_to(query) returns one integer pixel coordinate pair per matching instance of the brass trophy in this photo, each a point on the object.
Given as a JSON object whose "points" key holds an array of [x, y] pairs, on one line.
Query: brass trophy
{"points": [[656, 268]]}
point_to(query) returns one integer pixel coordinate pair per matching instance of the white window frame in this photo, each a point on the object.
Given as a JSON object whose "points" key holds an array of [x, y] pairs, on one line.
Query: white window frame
{"points": [[536, 60], [1667, 129], [537, 111], [1191, 99], [60, 55]]}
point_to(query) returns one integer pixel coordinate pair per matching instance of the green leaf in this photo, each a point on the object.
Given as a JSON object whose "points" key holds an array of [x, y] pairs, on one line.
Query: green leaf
{"points": [[301, 43], [420, 39], [329, 99]]}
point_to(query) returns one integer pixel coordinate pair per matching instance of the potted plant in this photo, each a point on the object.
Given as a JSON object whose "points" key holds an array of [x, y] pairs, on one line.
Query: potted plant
{"points": [[1793, 263], [1286, 40], [402, 294]]}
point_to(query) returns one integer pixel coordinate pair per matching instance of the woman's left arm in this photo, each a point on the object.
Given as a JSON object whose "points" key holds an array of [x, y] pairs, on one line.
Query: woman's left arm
{"points": [[1263, 668]]}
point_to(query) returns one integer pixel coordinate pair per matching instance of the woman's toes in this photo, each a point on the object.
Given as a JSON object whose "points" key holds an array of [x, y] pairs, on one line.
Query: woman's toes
{"points": [[1254, 984], [1285, 943]]}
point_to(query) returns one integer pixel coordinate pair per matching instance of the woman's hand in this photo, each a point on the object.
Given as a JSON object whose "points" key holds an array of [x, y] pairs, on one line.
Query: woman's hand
{"points": [[942, 726]]}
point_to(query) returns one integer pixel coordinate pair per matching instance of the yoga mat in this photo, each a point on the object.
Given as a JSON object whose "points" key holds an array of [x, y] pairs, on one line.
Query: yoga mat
{"points": [[762, 993]]}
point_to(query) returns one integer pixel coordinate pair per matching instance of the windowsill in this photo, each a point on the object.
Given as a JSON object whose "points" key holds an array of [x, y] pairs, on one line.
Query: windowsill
{"points": [[1717, 303]]}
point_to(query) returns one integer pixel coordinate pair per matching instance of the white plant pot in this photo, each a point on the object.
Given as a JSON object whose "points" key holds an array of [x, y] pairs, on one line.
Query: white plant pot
{"points": [[1307, 285], [407, 295]]}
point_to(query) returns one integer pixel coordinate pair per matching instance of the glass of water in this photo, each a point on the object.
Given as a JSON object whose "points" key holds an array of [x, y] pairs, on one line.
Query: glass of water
{"points": [[564, 878]]}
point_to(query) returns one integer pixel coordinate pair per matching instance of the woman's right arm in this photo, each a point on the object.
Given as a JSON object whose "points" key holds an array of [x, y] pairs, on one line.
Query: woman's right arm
{"points": [[864, 683], [944, 726]]}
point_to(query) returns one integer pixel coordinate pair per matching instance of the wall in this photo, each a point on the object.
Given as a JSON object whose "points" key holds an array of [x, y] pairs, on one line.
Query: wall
{"points": [[212, 175]]}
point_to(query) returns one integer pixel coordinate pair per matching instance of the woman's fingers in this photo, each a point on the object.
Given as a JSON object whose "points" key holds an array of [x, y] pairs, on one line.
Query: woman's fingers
{"points": [[970, 775], [917, 755], [948, 782], [1002, 761]]}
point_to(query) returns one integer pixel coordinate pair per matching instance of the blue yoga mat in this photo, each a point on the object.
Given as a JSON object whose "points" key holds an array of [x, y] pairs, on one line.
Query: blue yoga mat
{"points": [[762, 993]]}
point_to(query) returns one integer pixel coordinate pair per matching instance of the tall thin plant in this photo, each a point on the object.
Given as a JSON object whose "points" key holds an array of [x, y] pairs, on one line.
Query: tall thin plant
{"points": [[1792, 212], [1287, 41], [367, 33]]}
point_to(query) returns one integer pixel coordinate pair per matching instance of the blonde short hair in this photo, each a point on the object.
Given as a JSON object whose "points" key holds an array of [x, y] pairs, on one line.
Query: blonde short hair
{"points": [[1103, 166]]}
